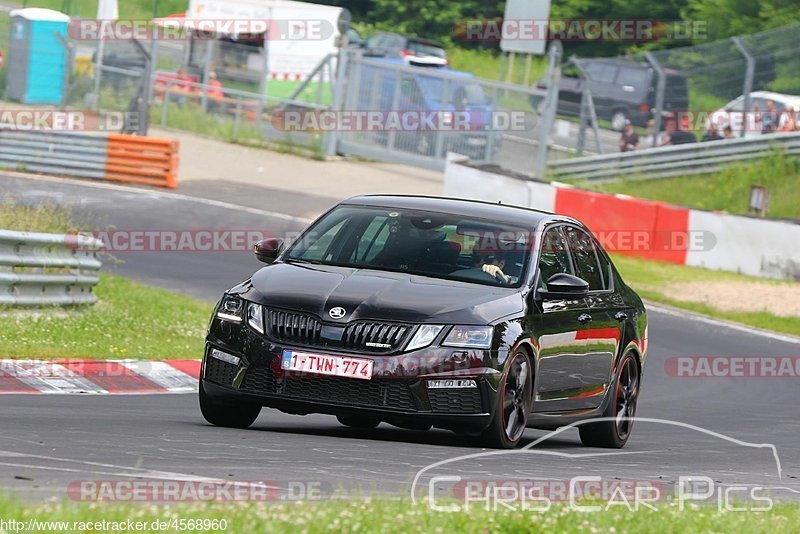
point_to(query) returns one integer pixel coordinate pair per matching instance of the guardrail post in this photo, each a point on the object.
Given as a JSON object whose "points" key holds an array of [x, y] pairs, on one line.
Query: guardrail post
{"points": [[550, 104], [748, 77], [661, 88]]}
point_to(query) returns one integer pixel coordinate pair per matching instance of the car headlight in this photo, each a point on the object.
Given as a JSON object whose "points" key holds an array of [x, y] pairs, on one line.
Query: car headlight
{"points": [[473, 337], [255, 317], [230, 309], [425, 335]]}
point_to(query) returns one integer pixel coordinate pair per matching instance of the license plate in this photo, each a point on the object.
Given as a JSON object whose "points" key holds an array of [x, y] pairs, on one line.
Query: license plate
{"points": [[327, 365]]}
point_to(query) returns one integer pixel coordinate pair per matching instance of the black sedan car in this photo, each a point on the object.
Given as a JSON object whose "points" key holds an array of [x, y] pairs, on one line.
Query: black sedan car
{"points": [[479, 318]]}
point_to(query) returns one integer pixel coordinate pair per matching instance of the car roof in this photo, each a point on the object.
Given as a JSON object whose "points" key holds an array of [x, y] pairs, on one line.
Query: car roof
{"points": [[774, 96], [457, 206], [421, 40]]}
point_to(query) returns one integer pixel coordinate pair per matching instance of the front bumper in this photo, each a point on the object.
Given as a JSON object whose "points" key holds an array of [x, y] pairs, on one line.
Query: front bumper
{"points": [[397, 392]]}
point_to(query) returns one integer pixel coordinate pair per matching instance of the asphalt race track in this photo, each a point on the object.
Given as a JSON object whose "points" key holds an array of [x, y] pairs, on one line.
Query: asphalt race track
{"points": [[691, 426]]}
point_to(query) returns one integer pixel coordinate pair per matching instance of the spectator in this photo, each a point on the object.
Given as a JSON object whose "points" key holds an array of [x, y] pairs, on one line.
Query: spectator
{"points": [[675, 136], [712, 134], [756, 115], [770, 118], [789, 120], [215, 94], [651, 139], [182, 88], [629, 142], [728, 132]]}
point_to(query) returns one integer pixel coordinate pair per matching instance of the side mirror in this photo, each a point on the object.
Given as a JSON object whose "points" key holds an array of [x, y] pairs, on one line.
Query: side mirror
{"points": [[268, 250], [565, 286]]}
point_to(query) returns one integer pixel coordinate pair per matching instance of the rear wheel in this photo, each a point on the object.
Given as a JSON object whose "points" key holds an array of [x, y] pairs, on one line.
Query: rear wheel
{"points": [[615, 431], [515, 401], [227, 414], [358, 421]]}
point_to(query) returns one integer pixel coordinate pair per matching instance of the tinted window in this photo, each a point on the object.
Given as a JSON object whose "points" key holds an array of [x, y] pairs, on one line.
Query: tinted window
{"points": [[638, 78], [425, 49], [554, 258], [584, 256], [600, 72], [423, 243]]}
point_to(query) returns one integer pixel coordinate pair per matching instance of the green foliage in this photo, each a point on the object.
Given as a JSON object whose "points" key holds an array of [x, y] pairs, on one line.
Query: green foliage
{"points": [[130, 320], [434, 19], [727, 18]]}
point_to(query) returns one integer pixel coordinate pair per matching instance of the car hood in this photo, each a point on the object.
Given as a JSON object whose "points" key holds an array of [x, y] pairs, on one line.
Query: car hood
{"points": [[371, 294]]}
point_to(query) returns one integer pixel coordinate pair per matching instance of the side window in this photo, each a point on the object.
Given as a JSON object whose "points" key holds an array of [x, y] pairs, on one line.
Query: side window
{"points": [[635, 77], [411, 91], [601, 72], [585, 257], [554, 258], [605, 268]]}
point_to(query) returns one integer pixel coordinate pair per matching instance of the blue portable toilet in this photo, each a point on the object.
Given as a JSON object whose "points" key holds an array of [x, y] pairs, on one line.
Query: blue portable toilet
{"points": [[37, 59]]}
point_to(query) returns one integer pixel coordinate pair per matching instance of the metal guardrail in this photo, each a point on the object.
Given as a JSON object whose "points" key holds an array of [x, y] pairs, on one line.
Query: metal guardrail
{"points": [[106, 156], [680, 160], [40, 269]]}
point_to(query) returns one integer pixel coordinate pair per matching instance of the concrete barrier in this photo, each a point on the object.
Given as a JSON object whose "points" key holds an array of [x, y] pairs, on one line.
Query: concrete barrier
{"points": [[642, 228]]}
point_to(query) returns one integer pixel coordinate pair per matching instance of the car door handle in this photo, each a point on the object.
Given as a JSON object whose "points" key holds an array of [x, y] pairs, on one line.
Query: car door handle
{"points": [[628, 88], [620, 316], [584, 318]]}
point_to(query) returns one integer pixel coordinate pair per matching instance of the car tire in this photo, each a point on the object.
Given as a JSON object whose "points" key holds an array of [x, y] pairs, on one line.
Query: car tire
{"points": [[358, 421], [227, 414], [515, 403], [618, 120], [615, 431]]}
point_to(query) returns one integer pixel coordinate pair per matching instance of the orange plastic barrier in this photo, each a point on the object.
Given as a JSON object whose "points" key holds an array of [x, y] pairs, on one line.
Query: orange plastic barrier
{"points": [[630, 226], [142, 160]]}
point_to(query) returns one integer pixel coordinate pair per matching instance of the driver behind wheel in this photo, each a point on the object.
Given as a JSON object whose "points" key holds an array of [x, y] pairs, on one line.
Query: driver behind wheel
{"points": [[492, 263]]}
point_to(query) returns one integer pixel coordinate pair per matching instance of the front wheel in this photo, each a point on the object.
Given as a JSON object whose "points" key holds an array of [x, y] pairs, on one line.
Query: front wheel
{"points": [[515, 399], [227, 414], [616, 429]]}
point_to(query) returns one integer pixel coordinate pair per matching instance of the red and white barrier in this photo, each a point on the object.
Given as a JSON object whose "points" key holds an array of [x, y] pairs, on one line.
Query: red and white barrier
{"points": [[98, 376], [643, 228]]}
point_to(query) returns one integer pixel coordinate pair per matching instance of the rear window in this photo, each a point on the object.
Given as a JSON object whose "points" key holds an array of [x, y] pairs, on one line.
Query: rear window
{"points": [[425, 49]]}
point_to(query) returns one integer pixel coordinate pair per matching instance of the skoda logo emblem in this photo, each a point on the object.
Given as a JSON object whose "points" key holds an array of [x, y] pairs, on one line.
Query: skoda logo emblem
{"points": [[337, 312]]}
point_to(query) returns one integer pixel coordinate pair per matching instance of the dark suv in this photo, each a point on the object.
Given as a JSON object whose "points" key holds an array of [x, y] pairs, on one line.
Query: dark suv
{"points": [[622, 90]]}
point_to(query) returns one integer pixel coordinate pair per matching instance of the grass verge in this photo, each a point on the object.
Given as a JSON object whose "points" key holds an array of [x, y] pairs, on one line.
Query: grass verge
{"points": [[728, 190], [652, 280], [130, 320], [383, 515]]}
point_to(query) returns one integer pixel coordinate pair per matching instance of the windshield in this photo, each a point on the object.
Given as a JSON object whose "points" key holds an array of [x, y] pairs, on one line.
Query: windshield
{"points": [[461, 94], [416, 242]]}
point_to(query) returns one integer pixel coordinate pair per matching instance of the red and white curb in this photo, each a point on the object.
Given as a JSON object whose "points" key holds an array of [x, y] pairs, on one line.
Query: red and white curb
{"points": [[98, 376]]}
